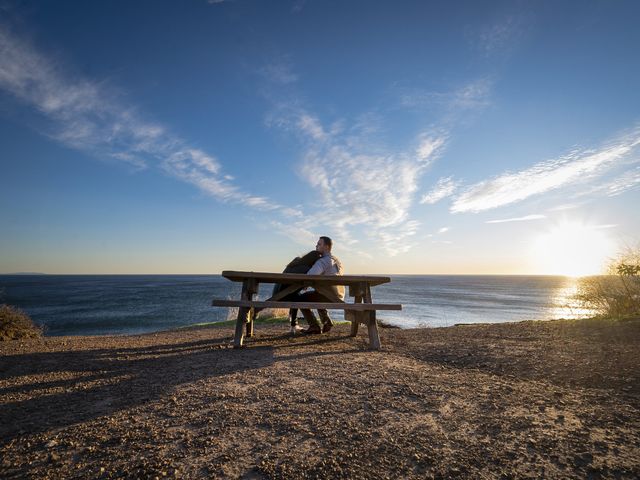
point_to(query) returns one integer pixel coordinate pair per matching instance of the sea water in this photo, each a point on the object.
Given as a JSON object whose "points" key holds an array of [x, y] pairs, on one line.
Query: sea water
{"points": [[129, 304]]}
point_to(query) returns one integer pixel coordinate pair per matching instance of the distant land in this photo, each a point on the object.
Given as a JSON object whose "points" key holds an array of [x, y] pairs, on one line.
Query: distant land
{"points": [[24, 273]]}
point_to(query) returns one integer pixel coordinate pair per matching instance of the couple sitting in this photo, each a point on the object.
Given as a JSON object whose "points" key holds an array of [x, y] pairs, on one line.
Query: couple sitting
{"points": [[317, 262]]}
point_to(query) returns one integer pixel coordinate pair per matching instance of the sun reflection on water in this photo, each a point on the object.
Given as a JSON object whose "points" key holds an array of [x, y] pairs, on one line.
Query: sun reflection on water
{"points": [[563, 303]]}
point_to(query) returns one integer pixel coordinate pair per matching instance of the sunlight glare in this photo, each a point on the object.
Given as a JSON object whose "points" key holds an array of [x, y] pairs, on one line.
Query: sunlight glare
{"points": [[572, 249]]}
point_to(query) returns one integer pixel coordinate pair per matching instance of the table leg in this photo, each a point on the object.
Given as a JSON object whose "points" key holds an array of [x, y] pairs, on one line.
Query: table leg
{"points": [[372, 323], [356, 317], [241, 321], [372, 326], [249, 289], [252, 316]]}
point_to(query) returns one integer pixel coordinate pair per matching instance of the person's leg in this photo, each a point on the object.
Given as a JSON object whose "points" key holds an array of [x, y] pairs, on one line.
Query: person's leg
{"points": [[293, 314], [314, 325], [326, 323]]}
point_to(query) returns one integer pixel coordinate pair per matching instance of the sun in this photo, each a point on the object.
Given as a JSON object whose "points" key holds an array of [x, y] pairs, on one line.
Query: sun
{"points": [[572, 249]]}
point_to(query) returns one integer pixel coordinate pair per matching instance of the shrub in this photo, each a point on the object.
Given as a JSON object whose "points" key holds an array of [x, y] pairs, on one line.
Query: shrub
{"points": [[616, 294], [232, 313], [273, 313], [15, 324]]}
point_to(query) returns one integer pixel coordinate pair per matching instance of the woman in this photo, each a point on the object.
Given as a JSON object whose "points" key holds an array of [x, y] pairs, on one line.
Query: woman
{"points": [[297, 265]]}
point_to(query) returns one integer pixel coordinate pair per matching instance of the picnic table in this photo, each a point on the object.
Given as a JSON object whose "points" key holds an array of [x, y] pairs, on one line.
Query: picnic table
{"points": [[360, 310]]}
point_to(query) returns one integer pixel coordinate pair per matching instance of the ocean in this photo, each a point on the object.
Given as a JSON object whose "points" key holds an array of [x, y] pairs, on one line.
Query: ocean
{"points": [[132, 304]]}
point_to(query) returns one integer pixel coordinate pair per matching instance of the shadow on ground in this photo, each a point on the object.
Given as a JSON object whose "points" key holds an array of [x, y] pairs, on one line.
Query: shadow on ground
{"points": [[83, 385]]}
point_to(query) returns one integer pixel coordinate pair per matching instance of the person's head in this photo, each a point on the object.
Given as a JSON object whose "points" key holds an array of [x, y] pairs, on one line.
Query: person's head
{"points": [[324, 245]]}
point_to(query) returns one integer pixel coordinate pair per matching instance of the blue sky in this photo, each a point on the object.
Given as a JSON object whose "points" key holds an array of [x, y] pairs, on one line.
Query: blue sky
{"points": [[424, 137]]}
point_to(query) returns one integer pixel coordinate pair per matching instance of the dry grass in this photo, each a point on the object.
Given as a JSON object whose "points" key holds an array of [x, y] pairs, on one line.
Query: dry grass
{"points": [[15, 324], [615, 295]]}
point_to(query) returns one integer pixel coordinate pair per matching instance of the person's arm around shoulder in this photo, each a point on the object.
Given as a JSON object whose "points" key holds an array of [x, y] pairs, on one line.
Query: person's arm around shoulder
{"points": [[338, 265], [320, 267]]}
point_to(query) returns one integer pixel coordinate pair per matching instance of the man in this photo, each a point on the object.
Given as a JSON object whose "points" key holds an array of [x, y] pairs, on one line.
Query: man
{"points": [[327, 264]]}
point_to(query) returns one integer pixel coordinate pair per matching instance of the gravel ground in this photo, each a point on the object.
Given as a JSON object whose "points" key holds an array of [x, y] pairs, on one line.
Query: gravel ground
{"points": [[554, 399]]}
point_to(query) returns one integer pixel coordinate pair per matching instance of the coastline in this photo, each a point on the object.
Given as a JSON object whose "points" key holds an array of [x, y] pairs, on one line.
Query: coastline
{"points": [[548, 398]]}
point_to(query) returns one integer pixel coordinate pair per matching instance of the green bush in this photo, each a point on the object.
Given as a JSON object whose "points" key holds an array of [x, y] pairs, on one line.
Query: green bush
{"points": [[617, 294], [15, 324]]}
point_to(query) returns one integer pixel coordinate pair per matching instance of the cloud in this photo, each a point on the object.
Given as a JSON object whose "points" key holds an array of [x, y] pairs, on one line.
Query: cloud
{"points": [[89, 117], [518, 219], [443, 230], [311, 126], [564, 206], [499, 36], [473, 95], [429, 147], [444, 188], [470, 96], [279, 72], [574, 168], [627, 181], [362, 185], [298, 5]]}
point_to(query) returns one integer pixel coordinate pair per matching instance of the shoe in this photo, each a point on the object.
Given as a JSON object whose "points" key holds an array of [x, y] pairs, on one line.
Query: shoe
{"points": [[313, 330], [327, 327], [295, 329]]}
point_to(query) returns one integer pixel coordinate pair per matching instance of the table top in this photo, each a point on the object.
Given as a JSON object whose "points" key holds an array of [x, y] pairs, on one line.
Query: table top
{"points": [[268, 277]]}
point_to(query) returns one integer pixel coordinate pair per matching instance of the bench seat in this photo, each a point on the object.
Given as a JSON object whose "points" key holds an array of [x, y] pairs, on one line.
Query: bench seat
{"points": [[358, 313], [357, 307]]}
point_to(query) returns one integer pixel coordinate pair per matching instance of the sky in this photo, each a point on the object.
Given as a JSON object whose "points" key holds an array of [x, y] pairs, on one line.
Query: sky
{"points": [[423, 137]]}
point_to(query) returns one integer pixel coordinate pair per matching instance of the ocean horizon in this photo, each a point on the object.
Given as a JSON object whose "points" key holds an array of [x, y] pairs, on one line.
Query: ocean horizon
{"points": [[116, 304]]}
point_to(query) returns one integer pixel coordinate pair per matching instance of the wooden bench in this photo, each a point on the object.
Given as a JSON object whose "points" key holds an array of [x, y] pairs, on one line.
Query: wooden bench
{"points": [[362, 310]]}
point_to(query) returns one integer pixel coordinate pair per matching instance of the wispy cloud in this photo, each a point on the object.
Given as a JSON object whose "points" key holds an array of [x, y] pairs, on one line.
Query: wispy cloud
{"points": [[472, 95], [298, 5], [500, 36], [578, 167], [445, 187], [428, 147], [564, 206], [279, 71], [526, 218], [88, 116], [626, 181], [443, 230], [361, 184]]}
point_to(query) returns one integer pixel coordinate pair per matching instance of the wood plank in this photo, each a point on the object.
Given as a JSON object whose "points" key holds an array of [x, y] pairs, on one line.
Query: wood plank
{"points": [[249, 289], [268, 277], [355, 316], [311, 305], [238, 337], [372, 326], [252, 316]]}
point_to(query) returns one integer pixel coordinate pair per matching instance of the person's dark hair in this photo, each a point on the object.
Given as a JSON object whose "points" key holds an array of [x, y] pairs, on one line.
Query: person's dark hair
{"points": [[302, 264], [327, 241]]}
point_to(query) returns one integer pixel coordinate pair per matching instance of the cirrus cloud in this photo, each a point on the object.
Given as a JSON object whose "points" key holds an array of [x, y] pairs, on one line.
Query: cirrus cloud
{"points": [[86, 115], [578, 167]]}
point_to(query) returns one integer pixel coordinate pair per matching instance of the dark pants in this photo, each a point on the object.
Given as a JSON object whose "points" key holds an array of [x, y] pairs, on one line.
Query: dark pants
{"points": [[314, 296], [293, 312], [292, 297]]}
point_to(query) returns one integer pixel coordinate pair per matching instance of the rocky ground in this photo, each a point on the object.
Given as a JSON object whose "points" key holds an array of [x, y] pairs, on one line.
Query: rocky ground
{"points": [[535, 399]]}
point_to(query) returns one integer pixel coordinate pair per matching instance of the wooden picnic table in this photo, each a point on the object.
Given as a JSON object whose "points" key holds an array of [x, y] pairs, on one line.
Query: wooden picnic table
{"points": [[360, 310]]}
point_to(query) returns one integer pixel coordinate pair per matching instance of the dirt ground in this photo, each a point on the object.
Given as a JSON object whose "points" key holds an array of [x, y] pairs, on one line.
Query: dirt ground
{"points": [[554, 399]]}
